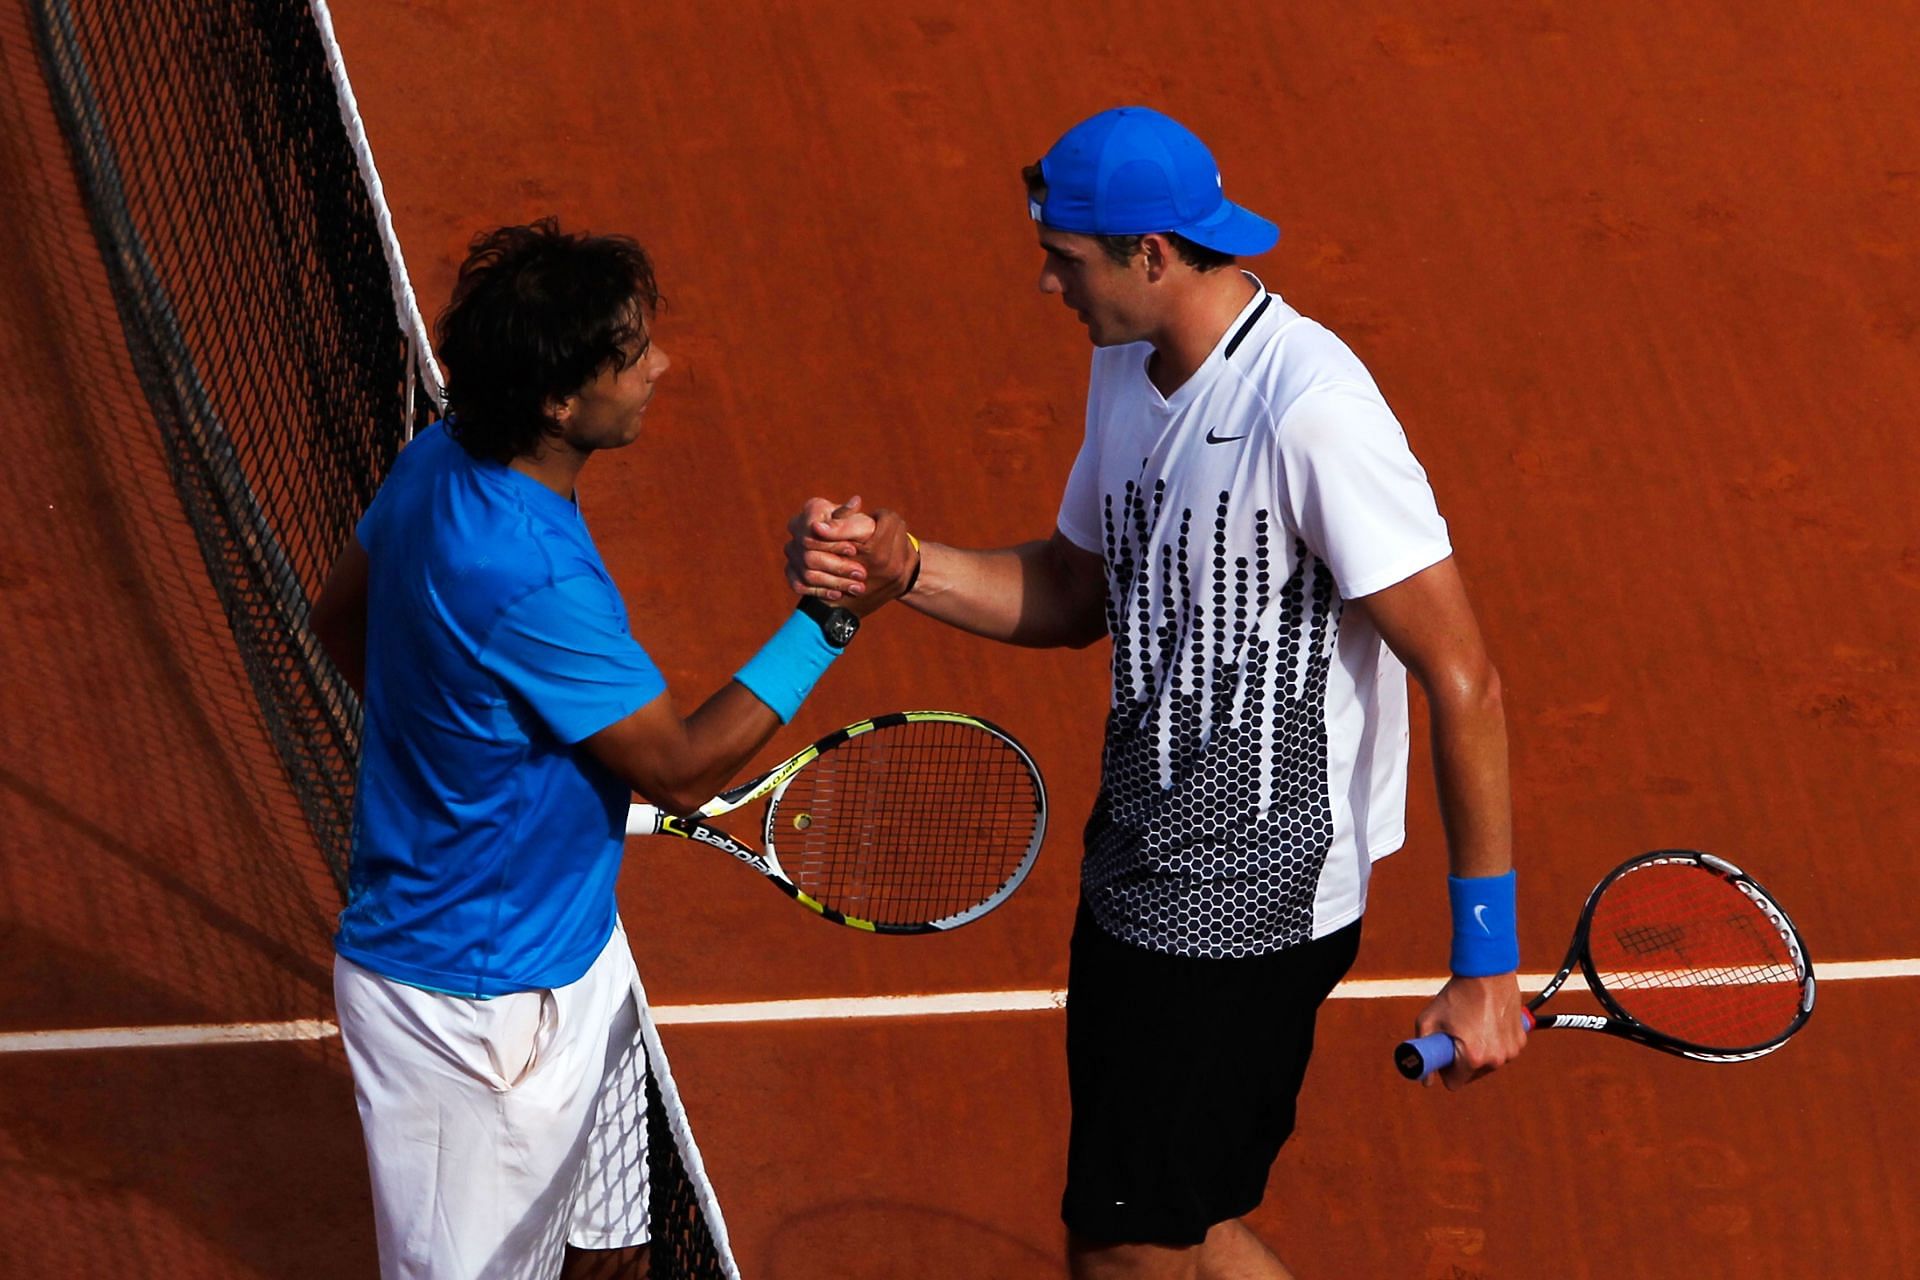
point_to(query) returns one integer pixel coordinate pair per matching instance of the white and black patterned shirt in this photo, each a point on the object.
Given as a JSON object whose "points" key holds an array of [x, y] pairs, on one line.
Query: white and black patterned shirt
{"points": [[1256, 751]]}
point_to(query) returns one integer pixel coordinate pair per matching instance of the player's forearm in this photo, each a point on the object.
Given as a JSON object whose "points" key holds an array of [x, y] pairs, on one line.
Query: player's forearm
{"points": [[1471, 772], [680, 764], [722, 735], [1022, 595]]}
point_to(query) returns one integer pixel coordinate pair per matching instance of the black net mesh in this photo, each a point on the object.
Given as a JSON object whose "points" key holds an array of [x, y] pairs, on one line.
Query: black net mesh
{"points": [[683, 1248], [254, 293]]}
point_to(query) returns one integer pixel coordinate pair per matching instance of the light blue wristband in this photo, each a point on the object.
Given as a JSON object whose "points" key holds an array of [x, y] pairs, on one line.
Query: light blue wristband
{"points": [[1486, 928], [787, 667]]}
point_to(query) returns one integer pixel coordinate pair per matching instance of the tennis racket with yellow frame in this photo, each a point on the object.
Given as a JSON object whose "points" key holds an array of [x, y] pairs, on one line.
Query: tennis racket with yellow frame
{"points": [[913, 822]]}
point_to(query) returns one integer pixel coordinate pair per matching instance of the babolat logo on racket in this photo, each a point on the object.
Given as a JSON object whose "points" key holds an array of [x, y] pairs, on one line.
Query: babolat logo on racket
{"points": [[695, 831]]}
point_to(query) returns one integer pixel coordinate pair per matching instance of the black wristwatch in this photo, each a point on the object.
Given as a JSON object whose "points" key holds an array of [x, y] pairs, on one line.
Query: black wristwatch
{"points": [[838, 625]]}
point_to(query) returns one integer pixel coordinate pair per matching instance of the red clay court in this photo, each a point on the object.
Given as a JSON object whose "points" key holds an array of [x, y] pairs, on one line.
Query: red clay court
{"points": [[1641, 281]]}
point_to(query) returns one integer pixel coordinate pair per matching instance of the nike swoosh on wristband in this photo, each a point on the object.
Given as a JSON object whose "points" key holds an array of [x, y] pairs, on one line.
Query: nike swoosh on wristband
{"points": [[1214, 439], [1479, 918]]}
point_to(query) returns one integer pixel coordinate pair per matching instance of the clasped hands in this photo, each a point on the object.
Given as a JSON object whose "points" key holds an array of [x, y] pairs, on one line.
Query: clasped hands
{"points": [[844, 554]]}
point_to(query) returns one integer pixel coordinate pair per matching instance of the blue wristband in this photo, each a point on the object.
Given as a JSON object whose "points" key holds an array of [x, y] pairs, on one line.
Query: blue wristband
{"points": [[1486, 928], [785, 670]]}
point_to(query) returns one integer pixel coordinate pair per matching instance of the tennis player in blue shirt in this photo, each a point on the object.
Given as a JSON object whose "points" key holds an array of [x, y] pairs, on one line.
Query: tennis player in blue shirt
{"points": [[484, 985]]}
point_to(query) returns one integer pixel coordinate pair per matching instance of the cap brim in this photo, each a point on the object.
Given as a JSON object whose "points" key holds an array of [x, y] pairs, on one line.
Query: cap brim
{"points": [[1232, 229]]}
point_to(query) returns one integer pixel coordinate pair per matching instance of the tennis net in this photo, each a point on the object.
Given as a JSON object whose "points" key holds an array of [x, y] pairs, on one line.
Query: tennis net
{"points": [[268, 317]]}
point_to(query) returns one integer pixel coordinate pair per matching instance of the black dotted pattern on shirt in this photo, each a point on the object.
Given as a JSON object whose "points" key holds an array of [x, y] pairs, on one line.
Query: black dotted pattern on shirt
{"points": [[1226, 860]]}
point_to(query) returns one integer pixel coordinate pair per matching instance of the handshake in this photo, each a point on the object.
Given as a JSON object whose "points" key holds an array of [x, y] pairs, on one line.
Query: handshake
{"points": [[843, 554]]}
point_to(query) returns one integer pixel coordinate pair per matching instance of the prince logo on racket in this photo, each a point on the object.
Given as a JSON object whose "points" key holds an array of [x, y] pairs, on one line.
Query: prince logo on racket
{"points": [[1247, 526], [486, 993]]}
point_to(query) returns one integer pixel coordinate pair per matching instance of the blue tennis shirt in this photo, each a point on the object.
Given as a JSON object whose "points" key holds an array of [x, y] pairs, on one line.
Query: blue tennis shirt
{"points": [[485, 842]]}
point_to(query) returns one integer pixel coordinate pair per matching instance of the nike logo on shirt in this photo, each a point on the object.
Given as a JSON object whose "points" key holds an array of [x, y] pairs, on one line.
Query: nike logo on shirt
{"points": [[1240, 335]]}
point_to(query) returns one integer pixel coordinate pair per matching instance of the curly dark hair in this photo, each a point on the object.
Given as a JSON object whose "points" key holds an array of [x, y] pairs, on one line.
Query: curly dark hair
{"points": [[1120, 249], [536, 314]]}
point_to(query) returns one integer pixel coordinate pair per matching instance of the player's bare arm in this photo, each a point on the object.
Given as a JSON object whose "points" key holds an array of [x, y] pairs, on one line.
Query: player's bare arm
{"points": [[1042, 594], [1428, 623], [339, 615], [679, 764]]}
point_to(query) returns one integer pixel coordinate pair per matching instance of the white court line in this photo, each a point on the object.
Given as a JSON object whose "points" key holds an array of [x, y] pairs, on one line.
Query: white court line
{"points": [[948, 1004], [151, 1037]]}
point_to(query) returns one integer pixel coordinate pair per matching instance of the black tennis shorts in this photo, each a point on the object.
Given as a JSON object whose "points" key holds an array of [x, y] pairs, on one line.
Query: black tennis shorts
{"points": [[1183, 1074]]}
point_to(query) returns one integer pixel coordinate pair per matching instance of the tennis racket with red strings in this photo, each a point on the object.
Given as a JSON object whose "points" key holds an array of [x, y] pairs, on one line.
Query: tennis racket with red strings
{"points": [[1685, 953]]}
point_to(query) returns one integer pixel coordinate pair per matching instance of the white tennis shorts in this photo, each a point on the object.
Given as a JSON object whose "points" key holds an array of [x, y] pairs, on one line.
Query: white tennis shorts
{"points": [[499, 1131]]}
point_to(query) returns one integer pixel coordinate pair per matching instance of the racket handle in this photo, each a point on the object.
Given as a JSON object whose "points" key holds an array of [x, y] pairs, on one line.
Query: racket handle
{"points": [[1421, 1057]]}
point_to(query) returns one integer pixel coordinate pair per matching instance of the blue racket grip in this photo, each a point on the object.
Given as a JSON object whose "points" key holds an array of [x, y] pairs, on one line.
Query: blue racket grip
{"points": [[1421, 1057], [1418, 1059]]}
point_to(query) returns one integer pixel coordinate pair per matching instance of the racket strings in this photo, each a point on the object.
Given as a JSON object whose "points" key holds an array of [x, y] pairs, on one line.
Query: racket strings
{"points": [[1685, 952], [908, 823]]}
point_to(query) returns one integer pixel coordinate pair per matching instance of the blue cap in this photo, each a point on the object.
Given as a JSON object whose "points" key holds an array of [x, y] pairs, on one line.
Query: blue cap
{"points": [[1130, 171]]}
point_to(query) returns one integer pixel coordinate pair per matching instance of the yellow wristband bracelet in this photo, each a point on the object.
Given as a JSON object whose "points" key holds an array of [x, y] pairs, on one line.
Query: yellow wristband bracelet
{"points": [[918, 560]]}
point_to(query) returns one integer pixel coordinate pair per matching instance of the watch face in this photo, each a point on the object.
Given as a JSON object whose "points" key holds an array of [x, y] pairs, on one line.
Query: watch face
{"points": [[837, 624]]}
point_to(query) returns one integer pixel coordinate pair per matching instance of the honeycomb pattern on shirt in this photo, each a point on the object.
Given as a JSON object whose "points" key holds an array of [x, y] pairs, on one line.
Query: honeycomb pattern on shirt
{"points": [[1214, 820]]}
